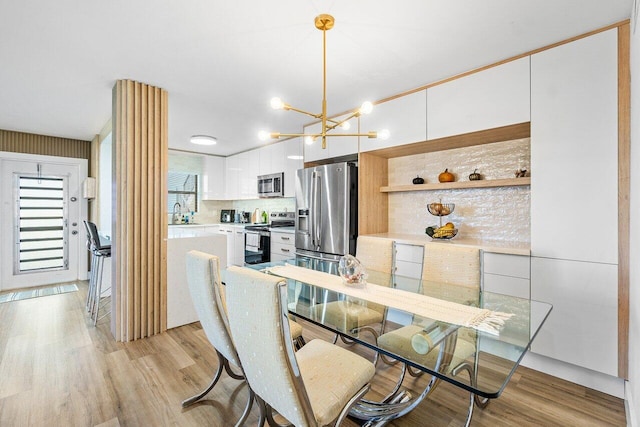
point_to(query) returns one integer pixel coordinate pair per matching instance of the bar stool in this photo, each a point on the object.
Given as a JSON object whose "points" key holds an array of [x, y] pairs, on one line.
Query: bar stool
{"points": [[99, 253]]}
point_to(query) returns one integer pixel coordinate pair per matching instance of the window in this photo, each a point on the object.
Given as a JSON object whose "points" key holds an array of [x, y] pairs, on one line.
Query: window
{"points": [[183, 189], [42, 231]]}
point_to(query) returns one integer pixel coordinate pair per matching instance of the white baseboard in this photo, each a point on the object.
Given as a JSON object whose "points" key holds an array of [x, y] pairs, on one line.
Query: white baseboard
{"points": [[630, 408], [585, 377]]}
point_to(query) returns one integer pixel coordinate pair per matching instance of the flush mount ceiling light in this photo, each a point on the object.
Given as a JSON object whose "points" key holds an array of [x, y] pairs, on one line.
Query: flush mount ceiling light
{"points": [[324, 23], [204, 140]]}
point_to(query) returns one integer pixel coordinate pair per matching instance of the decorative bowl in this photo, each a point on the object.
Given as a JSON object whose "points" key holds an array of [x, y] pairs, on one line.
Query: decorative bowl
{"points": [[352, 271], [441, 233]]}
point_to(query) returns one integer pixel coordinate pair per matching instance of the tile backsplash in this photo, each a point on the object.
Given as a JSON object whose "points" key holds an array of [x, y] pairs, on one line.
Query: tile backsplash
{"points": [[501, 213], [209, 211]]}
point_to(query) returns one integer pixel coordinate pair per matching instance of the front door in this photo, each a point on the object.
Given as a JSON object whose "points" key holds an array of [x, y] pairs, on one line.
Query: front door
{"points": [[40, 232]]}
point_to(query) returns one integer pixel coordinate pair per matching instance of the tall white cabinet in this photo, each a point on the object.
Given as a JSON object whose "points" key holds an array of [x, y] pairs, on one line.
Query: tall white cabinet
{"points": [[574, 202], [495, 97]]}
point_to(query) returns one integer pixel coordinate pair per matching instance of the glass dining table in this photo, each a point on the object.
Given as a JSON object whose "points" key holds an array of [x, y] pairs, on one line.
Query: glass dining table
{"points": [[448, 332]]}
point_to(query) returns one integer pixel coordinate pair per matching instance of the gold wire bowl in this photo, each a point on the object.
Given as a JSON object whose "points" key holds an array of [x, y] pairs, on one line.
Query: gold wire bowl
{"points": [[441, 209], [439, 233]]}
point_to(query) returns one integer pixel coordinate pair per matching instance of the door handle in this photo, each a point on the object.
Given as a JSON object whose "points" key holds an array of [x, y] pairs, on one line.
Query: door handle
{"points": [[74, 232]]}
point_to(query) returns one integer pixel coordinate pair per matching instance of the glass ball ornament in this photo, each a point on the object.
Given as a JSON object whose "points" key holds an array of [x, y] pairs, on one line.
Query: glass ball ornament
{"points": [[352, 271]]}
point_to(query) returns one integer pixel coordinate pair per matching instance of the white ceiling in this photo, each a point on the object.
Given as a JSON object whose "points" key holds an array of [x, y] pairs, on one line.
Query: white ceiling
{"points": [[222, 61]]}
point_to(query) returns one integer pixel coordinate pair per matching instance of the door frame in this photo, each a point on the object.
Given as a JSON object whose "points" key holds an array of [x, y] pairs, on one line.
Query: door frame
{"points": [[6, 233]]}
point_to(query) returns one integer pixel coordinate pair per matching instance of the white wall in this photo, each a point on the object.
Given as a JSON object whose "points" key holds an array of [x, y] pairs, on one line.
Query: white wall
{"points": [[633, 386]]}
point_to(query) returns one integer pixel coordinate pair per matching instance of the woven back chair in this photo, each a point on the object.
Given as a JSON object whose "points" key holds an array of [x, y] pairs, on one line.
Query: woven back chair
{"points": [[311, 387]]}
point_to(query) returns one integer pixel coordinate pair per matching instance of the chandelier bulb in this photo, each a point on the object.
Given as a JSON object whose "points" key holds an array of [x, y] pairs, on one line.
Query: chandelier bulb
{"points": [[384, 134], [276, 103], [263, 135], [366, 107], [309, 140], [346, 125]]}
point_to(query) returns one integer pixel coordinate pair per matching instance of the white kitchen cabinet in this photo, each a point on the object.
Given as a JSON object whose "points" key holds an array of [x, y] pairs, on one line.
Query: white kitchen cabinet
{"points": [[337, 146], [238, 245], [491, 98], [405, 118], [265, 165], [232, 175], [282, 246], [408, 265], [247, 166], [582, 328], [228, 231], [213, 183], [574, 150], [292, 162], [507, 274]]}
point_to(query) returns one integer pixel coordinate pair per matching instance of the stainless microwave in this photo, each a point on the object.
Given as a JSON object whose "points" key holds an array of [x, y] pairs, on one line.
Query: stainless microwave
{"points": [[271, 185]]}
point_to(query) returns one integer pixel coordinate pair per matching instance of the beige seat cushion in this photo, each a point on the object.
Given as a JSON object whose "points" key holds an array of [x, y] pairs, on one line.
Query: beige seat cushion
{"points": [[295, 328], [399, 342], [325, 367], [345, 315]]}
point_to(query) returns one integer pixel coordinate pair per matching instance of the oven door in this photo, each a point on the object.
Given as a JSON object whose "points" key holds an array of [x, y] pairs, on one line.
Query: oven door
{"points": [[257, 247]]}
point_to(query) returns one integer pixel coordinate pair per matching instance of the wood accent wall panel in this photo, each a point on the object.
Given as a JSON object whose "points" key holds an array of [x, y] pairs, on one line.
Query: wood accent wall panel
{"points": [[29, 143], [140, 144], [373, 205], [624, 189]]}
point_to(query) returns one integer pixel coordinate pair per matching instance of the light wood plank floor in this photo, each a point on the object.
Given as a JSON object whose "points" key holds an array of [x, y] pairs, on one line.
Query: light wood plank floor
{"points": [[57, 369]]}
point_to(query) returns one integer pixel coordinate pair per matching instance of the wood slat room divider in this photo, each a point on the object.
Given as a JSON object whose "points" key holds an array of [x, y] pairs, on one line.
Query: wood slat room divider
{"points": [[139, 248]]}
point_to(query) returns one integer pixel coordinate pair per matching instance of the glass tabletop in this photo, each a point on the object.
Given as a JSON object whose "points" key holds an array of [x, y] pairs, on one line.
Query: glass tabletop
{"points": [[431, 344]]}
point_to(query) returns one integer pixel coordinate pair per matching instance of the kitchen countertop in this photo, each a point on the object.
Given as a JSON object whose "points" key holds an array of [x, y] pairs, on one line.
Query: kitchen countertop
{"points": [[493, 246]]}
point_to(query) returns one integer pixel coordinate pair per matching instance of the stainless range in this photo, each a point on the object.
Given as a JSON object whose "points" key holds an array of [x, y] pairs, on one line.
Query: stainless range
{"points": [[257, 246]]}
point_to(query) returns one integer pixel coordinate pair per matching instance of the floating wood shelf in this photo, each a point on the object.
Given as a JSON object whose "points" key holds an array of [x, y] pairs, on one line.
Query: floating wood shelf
{"points": [[490, 183]]}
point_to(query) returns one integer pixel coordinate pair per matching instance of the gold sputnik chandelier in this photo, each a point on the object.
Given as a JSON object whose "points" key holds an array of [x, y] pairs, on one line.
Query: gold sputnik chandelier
{"points": [[324, 23]]}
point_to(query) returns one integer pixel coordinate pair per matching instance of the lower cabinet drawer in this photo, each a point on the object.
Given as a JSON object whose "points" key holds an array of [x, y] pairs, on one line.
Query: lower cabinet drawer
{"points": [[278, 248], [513, 286]]}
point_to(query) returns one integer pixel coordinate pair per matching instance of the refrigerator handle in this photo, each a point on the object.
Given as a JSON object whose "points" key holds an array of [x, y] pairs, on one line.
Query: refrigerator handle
{"points": [[312, 211], [315, 215], [318, 220]]}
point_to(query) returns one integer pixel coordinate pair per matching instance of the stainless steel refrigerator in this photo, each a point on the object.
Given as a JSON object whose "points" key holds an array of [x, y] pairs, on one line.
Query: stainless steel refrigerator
{"points": [[327, 210]]}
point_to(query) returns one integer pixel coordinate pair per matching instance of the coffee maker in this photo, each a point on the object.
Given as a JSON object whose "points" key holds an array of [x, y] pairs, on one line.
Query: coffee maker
{"points": [[227, 215]]}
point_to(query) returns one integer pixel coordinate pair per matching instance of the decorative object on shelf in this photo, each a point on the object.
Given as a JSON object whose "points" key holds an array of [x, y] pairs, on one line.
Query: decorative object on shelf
{"points": [[446, 176], [352, 271], [447, 231], [324, 23], [521, 173], [417, 180], [475, 176]]}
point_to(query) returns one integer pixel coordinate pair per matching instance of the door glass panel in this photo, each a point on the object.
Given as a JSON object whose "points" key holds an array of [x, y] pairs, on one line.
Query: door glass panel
{"points": [[41, 234]]}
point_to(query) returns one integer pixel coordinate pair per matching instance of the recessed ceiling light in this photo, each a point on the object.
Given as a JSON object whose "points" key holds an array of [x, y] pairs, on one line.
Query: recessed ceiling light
{"points": [[204, 140]]}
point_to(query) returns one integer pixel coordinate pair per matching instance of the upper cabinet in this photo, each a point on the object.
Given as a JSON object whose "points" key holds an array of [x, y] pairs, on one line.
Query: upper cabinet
{"points": [[337, 146], [213, 183], [492, 98], [405, 118], [231, 175], [292, 162], [574, 150], [271, 158], [248, 165]]}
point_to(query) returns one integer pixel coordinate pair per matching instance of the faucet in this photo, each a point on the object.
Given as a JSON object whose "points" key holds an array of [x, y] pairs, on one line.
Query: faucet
{"points": [[174, 217]]}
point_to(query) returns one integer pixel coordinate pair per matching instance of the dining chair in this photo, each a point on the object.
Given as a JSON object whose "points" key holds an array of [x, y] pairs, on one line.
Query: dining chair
{"points": [[443, 265], [99, 253], [314, 386], [378, 257], [207, 294]]}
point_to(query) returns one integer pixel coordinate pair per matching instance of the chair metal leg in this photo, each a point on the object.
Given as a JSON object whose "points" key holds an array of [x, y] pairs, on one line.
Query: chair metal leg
{"points": [[474, 399], [247, 409], [263, 411], [98, 290], [214, 380]]}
